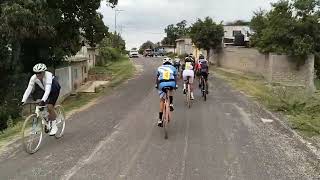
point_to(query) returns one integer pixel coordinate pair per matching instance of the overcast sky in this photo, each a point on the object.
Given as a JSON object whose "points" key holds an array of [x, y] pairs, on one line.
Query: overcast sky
{"points": [[143, 20]]}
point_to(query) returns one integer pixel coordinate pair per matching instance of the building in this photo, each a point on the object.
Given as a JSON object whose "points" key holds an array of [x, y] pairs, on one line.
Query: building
{"points": [[167, 48], [92, 55], [231, 31], [184, 46]]}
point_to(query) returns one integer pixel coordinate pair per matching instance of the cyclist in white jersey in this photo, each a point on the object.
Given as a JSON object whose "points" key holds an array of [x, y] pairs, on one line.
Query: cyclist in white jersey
{"points": [[50, 89]]}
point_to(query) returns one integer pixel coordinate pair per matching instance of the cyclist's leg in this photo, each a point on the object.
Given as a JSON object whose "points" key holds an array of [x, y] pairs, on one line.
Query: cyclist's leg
{"points": [[51, 102], [184, 76], [162, 96], [171, 93], [52, 99], [191, 81]]}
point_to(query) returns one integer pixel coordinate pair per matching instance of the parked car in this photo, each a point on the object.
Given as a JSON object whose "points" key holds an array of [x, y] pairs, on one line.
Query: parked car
{"points": [[133, 54], [148, 53]]}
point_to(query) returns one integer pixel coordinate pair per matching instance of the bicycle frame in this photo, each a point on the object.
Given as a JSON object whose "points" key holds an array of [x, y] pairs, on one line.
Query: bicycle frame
{"points": [[41, 114], [166, 114]]}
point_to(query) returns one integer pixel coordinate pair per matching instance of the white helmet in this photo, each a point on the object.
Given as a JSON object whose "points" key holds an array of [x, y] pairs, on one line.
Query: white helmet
{"points": [[38, 68], [167, 60]]}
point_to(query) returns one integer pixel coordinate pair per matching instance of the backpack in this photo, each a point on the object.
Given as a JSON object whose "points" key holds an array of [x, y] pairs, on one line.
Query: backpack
{"points": [[204, 66]]}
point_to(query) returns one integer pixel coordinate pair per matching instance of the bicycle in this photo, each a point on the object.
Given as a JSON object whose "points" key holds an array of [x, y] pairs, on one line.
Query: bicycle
{"points": [[166, 112], [203, 88], [40, 123], [188, 92]]}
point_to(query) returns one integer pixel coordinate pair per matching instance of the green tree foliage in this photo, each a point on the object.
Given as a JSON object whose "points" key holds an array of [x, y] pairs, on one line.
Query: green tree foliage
{"points": [[111, 48], [238, 23], [146, 45], [46, 31], [206, 34], [175, 32], [291, 27]]}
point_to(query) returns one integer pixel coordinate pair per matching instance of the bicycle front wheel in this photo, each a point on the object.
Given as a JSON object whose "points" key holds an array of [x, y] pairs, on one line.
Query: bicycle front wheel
{"points": [[61, 121], [32, 133]]}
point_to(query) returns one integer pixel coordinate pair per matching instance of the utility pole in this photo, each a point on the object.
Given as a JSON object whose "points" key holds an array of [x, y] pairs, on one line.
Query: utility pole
{"points": [[115, 26], [115, 19]]}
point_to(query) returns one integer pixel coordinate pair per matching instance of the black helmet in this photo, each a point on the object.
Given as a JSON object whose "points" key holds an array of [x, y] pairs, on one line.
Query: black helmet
{"points": [[201, 56]]}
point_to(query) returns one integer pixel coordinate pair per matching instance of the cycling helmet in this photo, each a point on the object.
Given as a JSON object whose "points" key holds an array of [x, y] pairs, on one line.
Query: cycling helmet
{"points": [[38, 68], [166, 60], [201, 56]]}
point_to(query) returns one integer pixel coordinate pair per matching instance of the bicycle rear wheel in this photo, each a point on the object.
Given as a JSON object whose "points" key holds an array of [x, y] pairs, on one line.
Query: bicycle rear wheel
{"points": [[61, 123], [189, 96], [204, 90], [165, 120], [32, 133]]}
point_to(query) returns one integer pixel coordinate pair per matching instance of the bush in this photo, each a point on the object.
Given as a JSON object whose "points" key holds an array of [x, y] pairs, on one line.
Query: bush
{"points": [[108, 54], [12, 89]]}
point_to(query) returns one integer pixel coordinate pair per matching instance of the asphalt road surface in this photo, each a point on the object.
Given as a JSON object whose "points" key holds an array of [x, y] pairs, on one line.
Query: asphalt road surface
{"points": [[117, 138]]}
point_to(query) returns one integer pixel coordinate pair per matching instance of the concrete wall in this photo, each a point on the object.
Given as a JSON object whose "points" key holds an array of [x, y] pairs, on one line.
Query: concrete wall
{"points": [[273, 67], [71, 77], [64, 78], [285, 69], [169, 49], [79, 74], [92, 55], [184, 46]]}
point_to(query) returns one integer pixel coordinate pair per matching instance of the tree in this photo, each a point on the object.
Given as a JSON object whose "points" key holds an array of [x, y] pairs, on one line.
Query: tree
{"points": [[175, 32], [291, 27], [238, 23], [146, 45], [207, 34], [46, 31]]}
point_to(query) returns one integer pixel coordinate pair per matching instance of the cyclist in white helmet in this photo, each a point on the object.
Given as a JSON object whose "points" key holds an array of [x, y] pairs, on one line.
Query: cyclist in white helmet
{"points": [[44, 80], [166, 77]]}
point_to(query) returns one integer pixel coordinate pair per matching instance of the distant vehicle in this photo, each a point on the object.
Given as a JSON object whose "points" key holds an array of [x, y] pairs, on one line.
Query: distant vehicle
{"points": [[148, 53], [159, 52], [133, 54]]}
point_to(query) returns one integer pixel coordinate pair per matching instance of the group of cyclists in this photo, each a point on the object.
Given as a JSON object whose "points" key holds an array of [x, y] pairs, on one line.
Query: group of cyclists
{"points": [[167, 76]]}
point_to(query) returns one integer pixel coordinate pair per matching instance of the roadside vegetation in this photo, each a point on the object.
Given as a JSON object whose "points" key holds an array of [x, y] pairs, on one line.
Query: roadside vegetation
{"points": [[115, 72], [302, 110]]}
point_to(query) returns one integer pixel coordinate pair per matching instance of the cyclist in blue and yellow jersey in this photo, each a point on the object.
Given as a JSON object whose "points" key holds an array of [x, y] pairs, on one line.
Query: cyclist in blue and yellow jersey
{"points": [[166, 77]]}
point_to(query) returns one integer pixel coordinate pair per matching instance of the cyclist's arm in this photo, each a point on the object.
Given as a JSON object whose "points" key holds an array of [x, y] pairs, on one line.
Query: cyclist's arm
{"points": [[48, 84], [29, 89]]}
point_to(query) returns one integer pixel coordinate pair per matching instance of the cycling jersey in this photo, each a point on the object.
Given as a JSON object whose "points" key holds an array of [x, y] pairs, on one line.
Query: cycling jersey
{"points": [[48, 84], [203, 65], [166, 73], [189, 65]]}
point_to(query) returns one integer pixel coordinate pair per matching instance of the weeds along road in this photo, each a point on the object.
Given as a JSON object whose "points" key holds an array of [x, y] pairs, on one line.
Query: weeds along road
{"points": [[117, 138]]}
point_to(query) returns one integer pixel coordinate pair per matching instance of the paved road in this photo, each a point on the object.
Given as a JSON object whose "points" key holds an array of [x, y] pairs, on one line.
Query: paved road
{"points": [[223, 138]]}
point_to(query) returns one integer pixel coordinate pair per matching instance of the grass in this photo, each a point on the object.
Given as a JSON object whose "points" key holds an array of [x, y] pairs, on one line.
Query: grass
{"points": [[302, 110], [118, 72]]}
